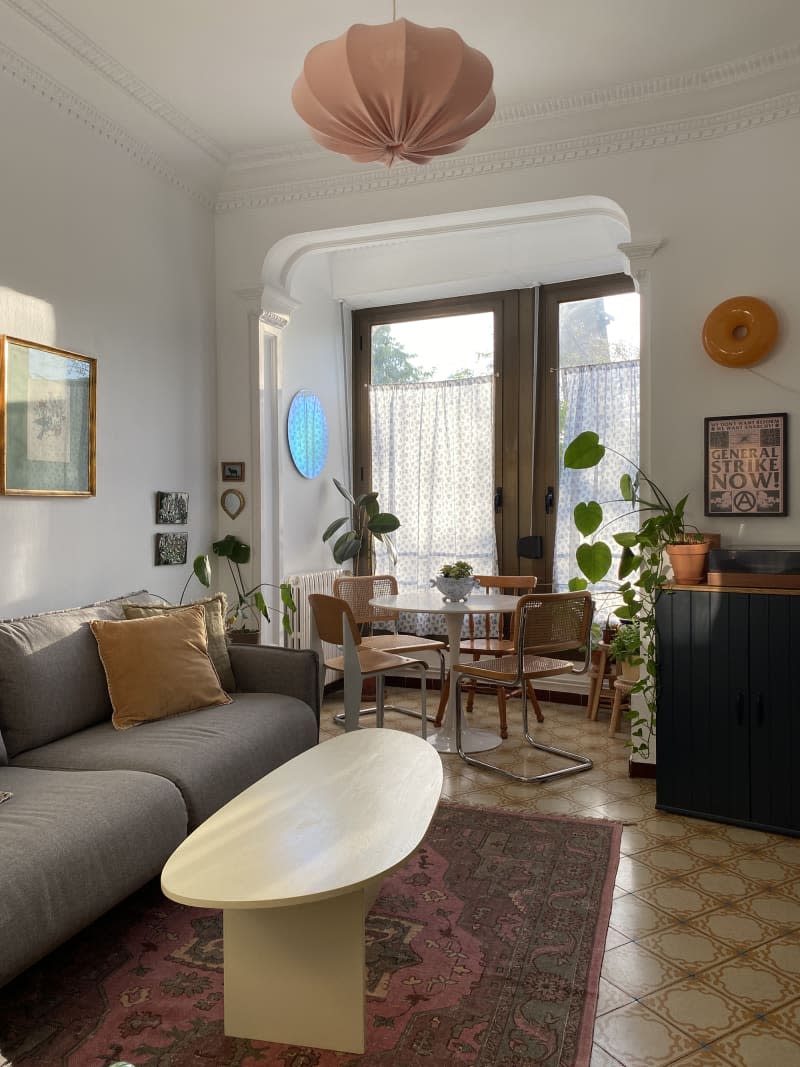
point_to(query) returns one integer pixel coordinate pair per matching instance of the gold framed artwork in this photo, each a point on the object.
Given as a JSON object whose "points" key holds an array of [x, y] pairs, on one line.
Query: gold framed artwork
{"points": [[47, 420]]}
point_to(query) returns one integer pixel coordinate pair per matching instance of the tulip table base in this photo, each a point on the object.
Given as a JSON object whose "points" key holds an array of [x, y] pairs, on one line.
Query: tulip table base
{"points": [[444, 739]]}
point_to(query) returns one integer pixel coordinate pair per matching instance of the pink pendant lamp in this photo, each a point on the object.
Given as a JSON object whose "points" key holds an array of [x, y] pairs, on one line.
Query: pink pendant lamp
{"points": [[395, 91]]}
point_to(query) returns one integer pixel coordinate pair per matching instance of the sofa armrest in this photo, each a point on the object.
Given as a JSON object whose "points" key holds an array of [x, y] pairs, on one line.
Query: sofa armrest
{"points": [[270, 669]]}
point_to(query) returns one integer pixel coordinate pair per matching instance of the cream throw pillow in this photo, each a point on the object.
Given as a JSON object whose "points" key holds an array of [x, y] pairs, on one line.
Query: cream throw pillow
{"points": [[216, 608], [157, 667]]}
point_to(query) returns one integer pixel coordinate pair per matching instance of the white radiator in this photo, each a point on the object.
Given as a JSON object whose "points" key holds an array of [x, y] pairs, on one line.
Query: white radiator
{"points": [[302, 585]]}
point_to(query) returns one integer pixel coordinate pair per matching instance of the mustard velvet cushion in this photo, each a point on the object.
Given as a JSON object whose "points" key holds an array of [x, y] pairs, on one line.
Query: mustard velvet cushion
{"points": [[216, 608], [157, 667]]}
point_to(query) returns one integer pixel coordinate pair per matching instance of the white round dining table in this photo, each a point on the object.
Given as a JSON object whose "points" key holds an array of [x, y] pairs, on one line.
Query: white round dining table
{"points": [[430, 601]]}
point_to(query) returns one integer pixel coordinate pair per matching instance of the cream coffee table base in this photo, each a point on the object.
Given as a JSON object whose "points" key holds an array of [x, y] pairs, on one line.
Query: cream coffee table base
{"points": [[295, 862]]}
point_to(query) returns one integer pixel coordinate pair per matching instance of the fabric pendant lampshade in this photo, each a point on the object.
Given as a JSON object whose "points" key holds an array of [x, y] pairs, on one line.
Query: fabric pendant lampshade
{"points": [[394, 91]]}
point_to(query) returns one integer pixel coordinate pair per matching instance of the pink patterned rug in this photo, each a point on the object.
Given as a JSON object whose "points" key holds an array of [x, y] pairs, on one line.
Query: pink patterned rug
{"points": [[483, 949]]}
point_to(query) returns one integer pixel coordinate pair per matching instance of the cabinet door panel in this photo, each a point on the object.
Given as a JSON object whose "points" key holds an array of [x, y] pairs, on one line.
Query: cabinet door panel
{"points": [[774, 710], [725, 639]]}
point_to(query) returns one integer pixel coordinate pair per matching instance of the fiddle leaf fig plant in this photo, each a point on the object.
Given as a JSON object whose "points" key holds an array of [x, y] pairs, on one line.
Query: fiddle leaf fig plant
{"points": [[642, 568], [367, 521]]}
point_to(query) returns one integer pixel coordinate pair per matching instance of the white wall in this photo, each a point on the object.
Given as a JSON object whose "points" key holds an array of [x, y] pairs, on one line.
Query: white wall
{"points": [[100, 256], [727, 213]]}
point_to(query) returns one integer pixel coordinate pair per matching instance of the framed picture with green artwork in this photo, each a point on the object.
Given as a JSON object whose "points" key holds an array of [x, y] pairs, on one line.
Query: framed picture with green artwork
{"points": [[47, 420]]}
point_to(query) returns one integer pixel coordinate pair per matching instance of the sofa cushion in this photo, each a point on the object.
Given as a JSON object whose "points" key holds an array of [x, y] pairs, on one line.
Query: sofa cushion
{"points": [[211, 754], [157, 667], [73, 845], [51, 679], [216, 608]]}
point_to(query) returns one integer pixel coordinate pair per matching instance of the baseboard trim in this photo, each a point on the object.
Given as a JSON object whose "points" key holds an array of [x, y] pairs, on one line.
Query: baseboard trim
{"points": [[641, 770]]}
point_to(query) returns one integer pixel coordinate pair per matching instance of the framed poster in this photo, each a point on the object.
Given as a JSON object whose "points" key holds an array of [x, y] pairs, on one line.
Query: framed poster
{"points": [[232, 470], [745, 463], [47, 420]]}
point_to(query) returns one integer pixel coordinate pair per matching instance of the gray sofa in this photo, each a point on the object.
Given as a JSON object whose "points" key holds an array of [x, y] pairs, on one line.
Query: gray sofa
{"points": [[95, 811]]}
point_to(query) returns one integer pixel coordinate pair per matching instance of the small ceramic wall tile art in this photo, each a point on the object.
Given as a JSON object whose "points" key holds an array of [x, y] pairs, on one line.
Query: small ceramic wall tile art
{"points": [[171, 548], [172, 507]]}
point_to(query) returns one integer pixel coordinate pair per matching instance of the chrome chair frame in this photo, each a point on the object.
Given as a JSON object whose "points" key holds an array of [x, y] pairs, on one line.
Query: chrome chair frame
{"points": [[512, 672], [397, 644]]}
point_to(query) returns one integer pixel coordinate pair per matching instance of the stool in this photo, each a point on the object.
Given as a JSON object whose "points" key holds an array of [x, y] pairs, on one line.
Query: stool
{"points": [[602, 673], [622, 693]]}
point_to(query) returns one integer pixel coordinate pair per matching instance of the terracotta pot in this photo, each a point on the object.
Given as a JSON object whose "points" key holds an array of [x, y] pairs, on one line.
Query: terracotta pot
{"points": [[689, 562]]}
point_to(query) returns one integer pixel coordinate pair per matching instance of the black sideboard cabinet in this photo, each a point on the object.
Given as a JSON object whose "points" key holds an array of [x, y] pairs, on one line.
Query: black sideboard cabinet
{"points": [[728, 719]]}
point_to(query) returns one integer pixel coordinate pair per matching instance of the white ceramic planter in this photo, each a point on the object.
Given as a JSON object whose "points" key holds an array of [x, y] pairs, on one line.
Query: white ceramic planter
{"points": [[454, 589]]}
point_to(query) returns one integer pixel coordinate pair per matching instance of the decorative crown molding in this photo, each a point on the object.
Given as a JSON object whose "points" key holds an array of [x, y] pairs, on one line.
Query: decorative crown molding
{"points": [[639, 92], [74, 107], [589, 146], [71, 38]]}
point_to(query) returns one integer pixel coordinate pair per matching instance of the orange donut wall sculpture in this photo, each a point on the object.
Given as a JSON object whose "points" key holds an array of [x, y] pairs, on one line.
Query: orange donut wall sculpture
{"points": [[740, 332]]}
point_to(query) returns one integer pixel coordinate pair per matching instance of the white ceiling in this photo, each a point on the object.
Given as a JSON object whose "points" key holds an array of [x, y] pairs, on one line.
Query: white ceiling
{"points": [[207, 84]]}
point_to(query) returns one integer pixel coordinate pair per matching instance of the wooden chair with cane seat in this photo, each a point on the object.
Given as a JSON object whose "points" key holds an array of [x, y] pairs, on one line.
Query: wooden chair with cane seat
{"points": [[358, 590], [544, 623], [335, 624], [501, 643]]}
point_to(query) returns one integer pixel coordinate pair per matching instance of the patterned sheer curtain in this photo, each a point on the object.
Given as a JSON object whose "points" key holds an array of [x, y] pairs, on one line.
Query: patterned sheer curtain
{"points": [[603, 397], [432, 466]]}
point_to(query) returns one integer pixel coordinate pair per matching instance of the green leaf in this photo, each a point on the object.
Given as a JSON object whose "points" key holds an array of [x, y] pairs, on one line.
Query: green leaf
{"points": [[232, 548], [584, 451], [587, 517], [628, 563], [383, 522], [261, 604], [288, 601], [344, 491], [334, 526], [628, 539], [390, 546], [577, 585], [594, 560], [202, 570], [346, 547], [626, 487]]}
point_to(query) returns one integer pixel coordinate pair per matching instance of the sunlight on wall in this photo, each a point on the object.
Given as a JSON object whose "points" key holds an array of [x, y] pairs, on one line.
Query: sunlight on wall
{"points": [[27, 317]]}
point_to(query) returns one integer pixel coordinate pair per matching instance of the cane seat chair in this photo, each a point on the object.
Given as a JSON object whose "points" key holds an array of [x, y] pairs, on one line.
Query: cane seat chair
{"points": [[493, 644], [358, 590], [544, 624], [335, 624]]}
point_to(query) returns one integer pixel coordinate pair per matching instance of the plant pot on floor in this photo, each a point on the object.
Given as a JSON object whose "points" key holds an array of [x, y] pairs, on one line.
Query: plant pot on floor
{"points": [[689, 561]]}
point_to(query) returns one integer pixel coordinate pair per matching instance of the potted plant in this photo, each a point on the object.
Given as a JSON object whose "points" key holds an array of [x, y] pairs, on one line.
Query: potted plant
{"points": [[625, 647], [643, 564], [250, 604], [367, 521], [454, 580]]}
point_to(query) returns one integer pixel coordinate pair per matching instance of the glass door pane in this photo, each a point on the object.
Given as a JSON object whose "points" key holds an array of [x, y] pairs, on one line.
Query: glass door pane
{"points": [[598, 389]]}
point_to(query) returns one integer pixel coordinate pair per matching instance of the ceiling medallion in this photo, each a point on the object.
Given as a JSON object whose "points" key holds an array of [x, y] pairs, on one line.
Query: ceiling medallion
{"points": [[397, 91]]}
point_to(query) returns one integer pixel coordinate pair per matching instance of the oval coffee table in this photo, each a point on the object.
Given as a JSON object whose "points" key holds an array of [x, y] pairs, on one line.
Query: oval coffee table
{"points": [[295, 862]]}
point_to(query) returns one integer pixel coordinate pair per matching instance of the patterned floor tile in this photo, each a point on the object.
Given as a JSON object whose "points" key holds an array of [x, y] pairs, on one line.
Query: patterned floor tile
{"points": [[680, 901], [735, 928], [669, 861], [610, 997], [761, 869], [761, 1044], [788, 1018], [632, 875], [748, 982], [697, 1010], [688, 949], [636, 971], [783, 955], [600, 1058], [704, 1058], [773, 907], [712, 847], [637, 1037], [636, 918], [787, 851], [721, 883]]}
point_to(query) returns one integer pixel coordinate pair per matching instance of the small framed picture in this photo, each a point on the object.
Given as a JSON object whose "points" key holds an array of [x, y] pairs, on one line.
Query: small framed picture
{"points": [[745, 465], [172, 508], [171, 549], [232, 471]]}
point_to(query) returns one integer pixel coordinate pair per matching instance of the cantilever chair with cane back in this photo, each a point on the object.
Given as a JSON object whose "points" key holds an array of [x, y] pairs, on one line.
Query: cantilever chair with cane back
{"points": [[358, 590], [334, 623], [492, 645], [544, 624]]}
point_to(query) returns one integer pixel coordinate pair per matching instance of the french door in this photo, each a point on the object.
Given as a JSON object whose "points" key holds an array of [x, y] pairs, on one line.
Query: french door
{"points": [[514, 337]]}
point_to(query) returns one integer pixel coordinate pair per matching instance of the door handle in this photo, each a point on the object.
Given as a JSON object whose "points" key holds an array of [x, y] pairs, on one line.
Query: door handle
{"points": [[498, 498], [549, 498]]}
